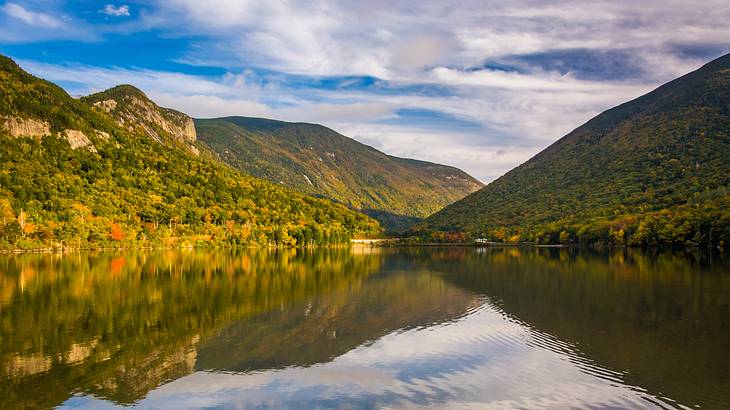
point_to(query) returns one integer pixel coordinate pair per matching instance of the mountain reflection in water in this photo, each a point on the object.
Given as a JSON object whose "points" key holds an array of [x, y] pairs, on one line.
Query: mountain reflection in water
{"points": [[364, 328]]}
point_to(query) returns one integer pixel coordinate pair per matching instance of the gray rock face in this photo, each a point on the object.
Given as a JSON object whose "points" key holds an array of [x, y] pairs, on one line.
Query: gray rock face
{"points": [[31, 128], [135, 110], [78, 139], [25, 127]]}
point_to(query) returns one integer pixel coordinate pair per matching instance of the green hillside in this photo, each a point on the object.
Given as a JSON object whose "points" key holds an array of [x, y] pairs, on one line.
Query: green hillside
{"points": [[319, 161], [71, 176], [654, 170]]}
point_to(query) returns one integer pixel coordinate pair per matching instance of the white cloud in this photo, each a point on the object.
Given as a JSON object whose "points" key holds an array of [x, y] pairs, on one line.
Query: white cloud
{"points": [[341, 112], [83, 79], [481, 159], [111, 10], [32, 18], [389, 39], [548, 81], [210, 106], [421, 51]]}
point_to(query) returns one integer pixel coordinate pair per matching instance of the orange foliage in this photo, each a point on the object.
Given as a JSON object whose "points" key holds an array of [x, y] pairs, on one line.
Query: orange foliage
{"points": [[116, 232]]}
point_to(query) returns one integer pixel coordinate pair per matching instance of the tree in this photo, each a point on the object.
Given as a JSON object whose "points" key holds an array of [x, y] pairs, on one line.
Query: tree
{"points": [[10, 232], [22, 222], [116, 233], [6, 211], [617, 236]]}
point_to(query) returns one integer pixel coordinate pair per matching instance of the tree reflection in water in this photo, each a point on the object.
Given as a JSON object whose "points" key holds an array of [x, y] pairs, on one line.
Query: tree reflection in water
{"points": [[118, 326]]}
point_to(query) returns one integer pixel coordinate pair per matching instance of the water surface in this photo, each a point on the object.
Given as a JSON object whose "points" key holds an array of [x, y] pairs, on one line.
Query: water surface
{"points": [[365, 328]]}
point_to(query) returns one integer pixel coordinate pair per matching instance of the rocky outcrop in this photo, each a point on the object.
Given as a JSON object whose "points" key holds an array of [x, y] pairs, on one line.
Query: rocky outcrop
{"points": [[78, 139], [189, 132], [132, 109], [106, 105], [25, 127], [103, 135], [28, 127]]}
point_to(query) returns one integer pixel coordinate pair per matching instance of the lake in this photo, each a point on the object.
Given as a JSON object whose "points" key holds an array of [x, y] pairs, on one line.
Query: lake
{"points": [[452, 327]]}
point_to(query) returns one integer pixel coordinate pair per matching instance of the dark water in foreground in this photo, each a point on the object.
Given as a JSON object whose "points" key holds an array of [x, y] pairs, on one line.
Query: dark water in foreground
{"points": [[364, 328]]}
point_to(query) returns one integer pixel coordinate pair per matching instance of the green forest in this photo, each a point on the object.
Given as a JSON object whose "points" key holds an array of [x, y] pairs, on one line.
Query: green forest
{"points": [[127, 190]]}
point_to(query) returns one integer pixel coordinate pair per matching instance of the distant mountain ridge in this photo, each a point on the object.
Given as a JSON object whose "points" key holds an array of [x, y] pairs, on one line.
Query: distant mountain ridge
{"points": [[655, 170], [319, 161]]}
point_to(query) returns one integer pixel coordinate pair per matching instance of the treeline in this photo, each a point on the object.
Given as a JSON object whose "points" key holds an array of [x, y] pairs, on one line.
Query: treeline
{"points": [[705, 224], [144, 194]]}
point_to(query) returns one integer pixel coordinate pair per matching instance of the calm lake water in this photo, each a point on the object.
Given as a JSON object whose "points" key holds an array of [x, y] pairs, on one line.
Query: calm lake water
{"points": [[365, 328]]}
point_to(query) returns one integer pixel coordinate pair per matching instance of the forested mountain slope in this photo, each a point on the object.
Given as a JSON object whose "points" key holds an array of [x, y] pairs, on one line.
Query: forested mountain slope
{"points": [[71, 176], [319, 161], [654, 170]]}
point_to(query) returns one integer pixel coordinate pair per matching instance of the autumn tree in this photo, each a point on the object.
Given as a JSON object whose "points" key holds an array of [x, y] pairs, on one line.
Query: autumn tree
{"points": [[116, 233]]}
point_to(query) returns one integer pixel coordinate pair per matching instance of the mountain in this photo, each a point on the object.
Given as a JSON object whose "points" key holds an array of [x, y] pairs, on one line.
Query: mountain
{"points": [[316, 160], [654, 170], [133, 110], [71, 176]]}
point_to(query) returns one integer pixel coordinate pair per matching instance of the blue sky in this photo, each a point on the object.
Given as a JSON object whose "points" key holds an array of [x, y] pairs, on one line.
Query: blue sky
{"points": [[481, 85]]}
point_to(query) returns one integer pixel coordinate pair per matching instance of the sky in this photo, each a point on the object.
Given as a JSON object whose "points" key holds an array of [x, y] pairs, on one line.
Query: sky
{"points": [[480, 85]]}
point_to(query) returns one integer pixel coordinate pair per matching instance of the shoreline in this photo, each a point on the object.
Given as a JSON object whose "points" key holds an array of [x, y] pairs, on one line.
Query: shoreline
{"points": [[356, 243], [64, 251], [394, 243]]}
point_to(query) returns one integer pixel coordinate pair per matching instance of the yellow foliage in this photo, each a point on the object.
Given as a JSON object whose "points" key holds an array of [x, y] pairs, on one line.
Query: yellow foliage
{"points": [[28, 228], [6, 211]]}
